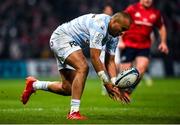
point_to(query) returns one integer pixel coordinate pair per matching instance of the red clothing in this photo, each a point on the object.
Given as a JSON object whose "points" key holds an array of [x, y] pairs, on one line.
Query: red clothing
{"points": [[144, 19]]}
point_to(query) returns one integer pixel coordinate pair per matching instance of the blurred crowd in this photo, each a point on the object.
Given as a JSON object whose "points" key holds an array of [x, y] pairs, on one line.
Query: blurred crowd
{"points": [[26, 25]]}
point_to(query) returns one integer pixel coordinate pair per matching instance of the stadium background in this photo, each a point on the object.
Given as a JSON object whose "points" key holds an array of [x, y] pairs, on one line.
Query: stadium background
{"points": [[26, 26]]}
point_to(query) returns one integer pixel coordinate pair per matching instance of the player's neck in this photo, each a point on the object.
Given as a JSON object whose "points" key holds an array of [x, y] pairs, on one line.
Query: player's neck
{"points": [[145, 7]]}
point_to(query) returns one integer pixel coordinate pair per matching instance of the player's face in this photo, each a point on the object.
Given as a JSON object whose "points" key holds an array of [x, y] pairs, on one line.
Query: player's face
{"points": [[108, 10], [146, 3], [116, 29]]}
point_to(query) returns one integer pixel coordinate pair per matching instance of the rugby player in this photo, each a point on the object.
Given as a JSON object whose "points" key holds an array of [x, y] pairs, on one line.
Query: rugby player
{"points": [[91, 31], [135, 43]]}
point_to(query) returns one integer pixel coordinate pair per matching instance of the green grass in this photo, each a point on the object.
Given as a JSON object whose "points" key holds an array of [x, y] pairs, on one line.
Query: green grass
{"points": [[157, 104]]}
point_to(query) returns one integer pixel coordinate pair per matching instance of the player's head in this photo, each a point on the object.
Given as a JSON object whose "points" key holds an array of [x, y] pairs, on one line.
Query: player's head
{"points": [[119, 23], [108, 10], [146, 3]]}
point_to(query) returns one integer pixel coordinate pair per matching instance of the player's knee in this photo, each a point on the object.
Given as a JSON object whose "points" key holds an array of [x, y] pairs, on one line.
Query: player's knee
{"points": [[67, 89], [141, 70], [84, 68]]}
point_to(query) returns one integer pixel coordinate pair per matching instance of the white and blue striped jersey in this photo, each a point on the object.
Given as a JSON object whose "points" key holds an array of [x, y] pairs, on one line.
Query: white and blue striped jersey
{"points": [[90, 31]]}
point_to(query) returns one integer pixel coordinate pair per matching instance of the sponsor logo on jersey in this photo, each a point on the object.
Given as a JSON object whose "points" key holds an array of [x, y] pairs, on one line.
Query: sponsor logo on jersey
{"points": [[73, 43], [152, 16], [143, 23], [137, 14], [145, 20], [98, 38]]}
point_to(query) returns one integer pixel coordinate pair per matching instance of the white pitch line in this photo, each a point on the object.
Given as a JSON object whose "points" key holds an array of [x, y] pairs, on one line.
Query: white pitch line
{"points": [[20, 109], [108, 109], [58, 109]]}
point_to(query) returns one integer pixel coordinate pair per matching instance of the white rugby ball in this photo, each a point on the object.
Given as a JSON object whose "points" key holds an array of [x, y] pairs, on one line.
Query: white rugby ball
{"points": [[127, 78]]}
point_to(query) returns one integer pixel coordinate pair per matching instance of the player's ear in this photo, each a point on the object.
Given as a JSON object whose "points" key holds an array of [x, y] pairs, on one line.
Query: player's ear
{"points": [[111, 23]]}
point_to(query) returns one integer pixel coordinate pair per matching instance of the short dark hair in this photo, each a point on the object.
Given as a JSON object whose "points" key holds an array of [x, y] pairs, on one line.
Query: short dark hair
{"points": [[117, 16]]}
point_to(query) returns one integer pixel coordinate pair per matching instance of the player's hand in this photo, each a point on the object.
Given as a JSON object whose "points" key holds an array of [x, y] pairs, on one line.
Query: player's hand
{"points": [[163, 48], [124, 96], [121, 45], [115, 93]]}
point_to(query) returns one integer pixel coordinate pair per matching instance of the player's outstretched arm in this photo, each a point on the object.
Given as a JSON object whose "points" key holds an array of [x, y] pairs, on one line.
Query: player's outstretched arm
{"points": [[112, 90]]}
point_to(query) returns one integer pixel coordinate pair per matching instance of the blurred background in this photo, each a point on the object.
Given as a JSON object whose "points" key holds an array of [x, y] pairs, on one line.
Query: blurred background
{"points": [[26, 26]]}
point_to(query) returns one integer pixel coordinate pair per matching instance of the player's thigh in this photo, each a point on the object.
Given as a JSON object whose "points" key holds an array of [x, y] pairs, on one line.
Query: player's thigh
{"points": [[67, 52], [142, 64], [77, 60], [63, 45], [125, 65], [67, 76], [142, 60]]}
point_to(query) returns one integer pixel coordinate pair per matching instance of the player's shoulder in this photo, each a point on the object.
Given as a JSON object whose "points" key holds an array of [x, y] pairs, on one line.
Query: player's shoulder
{"points": [[156, 11], [131, 8], [100, 21], [101, 16]]}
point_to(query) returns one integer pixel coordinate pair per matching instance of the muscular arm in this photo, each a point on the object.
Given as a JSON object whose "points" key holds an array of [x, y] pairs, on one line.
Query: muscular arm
{"points": [[110, 65], [163, 34], [98, 65], [96, 62]]}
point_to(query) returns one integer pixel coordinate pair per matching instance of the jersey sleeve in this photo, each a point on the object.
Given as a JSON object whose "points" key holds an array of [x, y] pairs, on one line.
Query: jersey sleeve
{"points": [[111, 46], [129, 9], [97, 32], [159, 21]]}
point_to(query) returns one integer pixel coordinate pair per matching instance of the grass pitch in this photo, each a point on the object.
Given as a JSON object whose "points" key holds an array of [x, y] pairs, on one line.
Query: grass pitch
{"points": [[157, 104]]}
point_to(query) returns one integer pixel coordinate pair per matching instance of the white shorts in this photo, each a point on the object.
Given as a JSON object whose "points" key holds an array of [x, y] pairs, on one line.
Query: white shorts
{"points": [[62, 45]]}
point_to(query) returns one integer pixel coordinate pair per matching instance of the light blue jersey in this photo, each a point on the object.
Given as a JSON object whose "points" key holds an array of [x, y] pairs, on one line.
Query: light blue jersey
{"points": [[90, 31]]}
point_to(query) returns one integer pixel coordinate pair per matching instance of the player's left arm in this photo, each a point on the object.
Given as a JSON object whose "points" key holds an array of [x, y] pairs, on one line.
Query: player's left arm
{"points": [[97, 34], [110, 66], [163, 36], [110, 58], [99, 68]]}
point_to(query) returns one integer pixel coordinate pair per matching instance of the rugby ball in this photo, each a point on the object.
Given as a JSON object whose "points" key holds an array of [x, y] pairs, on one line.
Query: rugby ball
{"points": [[127, 78]]}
